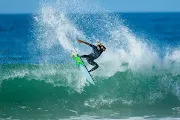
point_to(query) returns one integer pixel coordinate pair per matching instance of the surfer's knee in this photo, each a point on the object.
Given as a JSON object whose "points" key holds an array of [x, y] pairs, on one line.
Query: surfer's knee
{"points": [[96, 65]]}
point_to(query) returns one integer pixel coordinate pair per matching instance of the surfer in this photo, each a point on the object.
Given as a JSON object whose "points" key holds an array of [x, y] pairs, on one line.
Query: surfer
{"points": [[97, 51]]}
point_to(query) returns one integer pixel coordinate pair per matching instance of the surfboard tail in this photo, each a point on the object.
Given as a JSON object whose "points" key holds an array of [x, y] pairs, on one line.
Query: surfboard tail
{"points": [[86, 74]]}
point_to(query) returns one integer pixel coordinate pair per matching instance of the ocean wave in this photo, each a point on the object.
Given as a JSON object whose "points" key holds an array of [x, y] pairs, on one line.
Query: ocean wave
{"points": [[126, 89]]}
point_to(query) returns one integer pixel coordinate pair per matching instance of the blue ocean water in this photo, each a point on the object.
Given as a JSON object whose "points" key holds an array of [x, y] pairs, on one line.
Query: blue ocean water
{"points": [[15, 34], [138, 76]]}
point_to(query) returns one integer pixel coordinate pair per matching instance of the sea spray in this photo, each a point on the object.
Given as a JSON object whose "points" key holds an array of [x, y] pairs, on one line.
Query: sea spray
{"points": [[53, 89]]}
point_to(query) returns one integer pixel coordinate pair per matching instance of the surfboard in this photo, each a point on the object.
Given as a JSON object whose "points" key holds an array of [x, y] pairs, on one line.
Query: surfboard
{"points": [[82, 68]]}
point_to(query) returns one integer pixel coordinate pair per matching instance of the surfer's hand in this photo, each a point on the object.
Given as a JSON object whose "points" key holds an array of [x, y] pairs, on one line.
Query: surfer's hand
{"points": [[79, 41]]}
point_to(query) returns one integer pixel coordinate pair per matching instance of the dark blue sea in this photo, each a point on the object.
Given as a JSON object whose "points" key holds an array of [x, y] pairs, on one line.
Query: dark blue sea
{"points": [[138, 77]]}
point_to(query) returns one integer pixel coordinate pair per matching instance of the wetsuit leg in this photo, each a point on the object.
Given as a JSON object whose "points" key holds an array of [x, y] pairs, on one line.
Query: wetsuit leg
{"points": [[91, 62], [84, 56]]}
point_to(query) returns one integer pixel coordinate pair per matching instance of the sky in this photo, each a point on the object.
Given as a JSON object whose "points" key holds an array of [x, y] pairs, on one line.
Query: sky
{"points": [[141, 5], [31, 6], [18, 6]]}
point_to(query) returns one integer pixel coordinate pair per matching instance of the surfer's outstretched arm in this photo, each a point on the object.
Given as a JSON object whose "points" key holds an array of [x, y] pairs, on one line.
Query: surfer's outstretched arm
{"points": [[80, 41]]}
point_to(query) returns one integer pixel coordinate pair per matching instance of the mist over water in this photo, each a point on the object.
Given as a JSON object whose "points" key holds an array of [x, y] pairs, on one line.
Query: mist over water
{"points": [[59, 28]]}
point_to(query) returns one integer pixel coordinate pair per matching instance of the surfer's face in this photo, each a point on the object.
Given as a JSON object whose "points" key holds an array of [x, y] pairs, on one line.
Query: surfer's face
{"points": [[99, 47]]}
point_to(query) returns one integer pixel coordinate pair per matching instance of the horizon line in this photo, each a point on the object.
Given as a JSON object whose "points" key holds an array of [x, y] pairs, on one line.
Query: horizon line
{"points": [[99, 12]]}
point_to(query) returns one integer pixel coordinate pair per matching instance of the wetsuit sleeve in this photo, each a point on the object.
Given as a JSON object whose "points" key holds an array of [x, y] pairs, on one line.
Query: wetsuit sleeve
{"points": [[93, 46]]}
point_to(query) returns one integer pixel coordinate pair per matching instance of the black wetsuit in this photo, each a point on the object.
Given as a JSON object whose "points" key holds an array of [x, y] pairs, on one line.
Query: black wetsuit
{"points": [[94, 55]]}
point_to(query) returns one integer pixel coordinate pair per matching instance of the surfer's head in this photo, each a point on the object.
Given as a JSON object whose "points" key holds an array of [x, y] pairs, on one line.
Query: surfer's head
{"points": [[100, 46]]}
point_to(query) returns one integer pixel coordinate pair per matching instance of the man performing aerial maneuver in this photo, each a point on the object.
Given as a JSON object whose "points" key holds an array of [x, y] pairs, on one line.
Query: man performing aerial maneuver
{"points": [[97, 51]]}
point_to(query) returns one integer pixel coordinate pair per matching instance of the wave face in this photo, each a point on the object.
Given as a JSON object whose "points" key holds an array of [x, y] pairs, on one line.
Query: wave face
{"points": [[138, 74], [47, 92], [124, 88]]}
